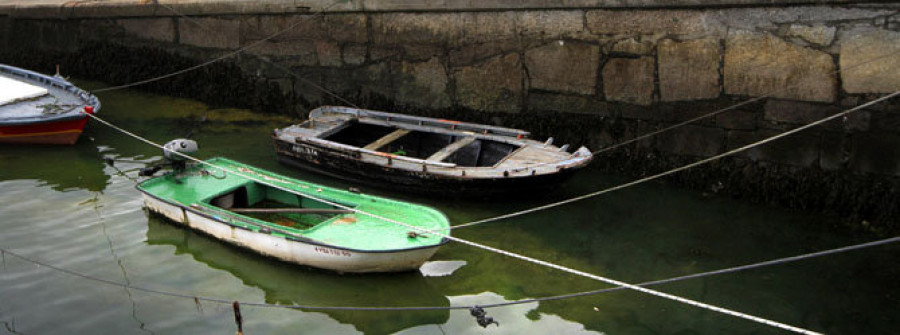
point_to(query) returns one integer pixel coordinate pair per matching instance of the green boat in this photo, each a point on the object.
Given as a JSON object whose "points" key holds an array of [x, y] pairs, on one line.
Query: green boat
{"points": [[297, 221]]}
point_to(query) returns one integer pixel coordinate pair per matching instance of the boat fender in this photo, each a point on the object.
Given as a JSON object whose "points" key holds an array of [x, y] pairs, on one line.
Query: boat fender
{"points": [[549, 141], [89, 109], [481, 317]]}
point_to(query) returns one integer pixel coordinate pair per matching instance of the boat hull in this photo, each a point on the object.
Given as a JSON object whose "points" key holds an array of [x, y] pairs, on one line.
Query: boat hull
{"points": [[55, 132], [344, 166], [41, 109], [302, 252]]}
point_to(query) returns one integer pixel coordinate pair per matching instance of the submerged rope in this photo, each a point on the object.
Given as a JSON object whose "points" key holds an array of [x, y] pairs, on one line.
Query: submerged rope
{"points": [[485, 247], [197, 299]]}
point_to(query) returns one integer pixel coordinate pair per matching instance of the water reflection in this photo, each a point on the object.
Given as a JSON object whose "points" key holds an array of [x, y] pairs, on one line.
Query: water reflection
{"points": [[61, 167], [287, 284]]}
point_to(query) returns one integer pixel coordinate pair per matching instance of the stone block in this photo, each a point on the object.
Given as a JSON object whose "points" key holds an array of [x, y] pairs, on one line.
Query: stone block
{"points": [[354, 54], [803, 113], [378, 54], [629, 80], [375, 79], [305, 93], [818, 34], [687, 111], [632, 47], [875, 153], [642, 113], [644, 22], [693, 141], [764, 65], [210, 32], [886, 121], [563, 67], [284, 85], [481, 27], [796, 112], [864, 67], [797, 150], [738, 120], [349, 28], [422, 84], [477, 53], [835, 151], [689, 70], [417, 28], [495, 85], [421, 52], [561, 103], [300, 52], [328, 54], [546, 24], [157, 29]]}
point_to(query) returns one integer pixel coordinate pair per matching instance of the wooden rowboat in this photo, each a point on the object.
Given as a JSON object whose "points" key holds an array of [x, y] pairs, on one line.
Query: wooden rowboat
{"points": [[284, 220], [424, 155], [41, 109]]}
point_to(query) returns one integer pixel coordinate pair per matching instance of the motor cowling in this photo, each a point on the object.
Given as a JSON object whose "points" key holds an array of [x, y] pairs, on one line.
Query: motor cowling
{"points": [[183, 146]]}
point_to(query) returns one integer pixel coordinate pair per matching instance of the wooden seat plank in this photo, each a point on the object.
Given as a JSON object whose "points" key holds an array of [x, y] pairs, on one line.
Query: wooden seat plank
{"points": [[450, 149], [384, 140]]}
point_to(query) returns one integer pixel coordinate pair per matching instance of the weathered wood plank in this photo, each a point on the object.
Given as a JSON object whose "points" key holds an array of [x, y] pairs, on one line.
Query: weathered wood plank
{"points": [[450, 149], [384, 140]]}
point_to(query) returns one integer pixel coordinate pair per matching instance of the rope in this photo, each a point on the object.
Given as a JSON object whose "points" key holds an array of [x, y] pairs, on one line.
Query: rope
{"points": [[682, 168], [214, 60], [779, 261], [488, 248]]}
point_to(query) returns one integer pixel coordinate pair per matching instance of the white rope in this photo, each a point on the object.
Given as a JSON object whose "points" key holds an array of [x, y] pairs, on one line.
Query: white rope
{"points": [[682, 168], [485, 247]]}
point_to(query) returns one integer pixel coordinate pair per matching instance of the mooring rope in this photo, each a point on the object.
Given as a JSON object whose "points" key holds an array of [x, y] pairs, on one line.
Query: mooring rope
{"points": [[217, 59], [681, 168], [758, 265], [482, 246]]}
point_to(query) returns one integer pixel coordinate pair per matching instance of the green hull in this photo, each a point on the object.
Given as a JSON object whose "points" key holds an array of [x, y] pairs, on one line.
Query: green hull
{"points": [[211, 194]]}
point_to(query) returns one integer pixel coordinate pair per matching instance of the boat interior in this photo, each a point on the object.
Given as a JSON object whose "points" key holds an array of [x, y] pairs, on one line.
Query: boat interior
{"points": [[459, 149], [276, 206]]}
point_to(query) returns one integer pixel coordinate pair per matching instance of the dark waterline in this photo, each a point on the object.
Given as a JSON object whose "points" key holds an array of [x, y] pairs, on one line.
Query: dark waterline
{"points": [[63, 206]]}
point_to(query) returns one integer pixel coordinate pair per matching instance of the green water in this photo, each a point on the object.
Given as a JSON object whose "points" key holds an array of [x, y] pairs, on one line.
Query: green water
{"points": [[64, 207]]}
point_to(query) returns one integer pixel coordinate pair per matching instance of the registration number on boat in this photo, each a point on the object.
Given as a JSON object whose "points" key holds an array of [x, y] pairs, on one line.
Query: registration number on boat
{"points": [[333, 252], [306, 151]]}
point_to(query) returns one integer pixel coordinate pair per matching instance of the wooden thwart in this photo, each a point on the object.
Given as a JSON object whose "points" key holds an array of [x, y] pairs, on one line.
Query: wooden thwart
{"points": [[386, 139], [450, 149], [291, 210]]}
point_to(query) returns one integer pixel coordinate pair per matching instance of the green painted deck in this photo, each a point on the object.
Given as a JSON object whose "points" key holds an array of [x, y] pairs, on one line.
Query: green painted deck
{"points": [[197, 190]]}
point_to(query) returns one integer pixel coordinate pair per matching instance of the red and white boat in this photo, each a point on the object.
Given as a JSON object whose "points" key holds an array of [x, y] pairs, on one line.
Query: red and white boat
{"points": [[42, 109]]}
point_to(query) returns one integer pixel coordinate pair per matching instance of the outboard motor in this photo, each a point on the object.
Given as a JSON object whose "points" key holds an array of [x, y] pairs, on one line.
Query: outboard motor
{"points": [[170, 153], [183, 146]]}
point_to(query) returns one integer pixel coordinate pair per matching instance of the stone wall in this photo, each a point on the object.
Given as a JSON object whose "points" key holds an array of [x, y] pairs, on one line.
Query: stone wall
{"points": [[585, 74]]}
